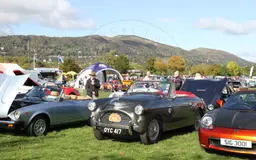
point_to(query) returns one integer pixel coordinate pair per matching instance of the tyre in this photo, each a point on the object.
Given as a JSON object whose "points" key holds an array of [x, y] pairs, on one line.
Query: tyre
{"points": [[98, 135], [38, 126], [152, 134], [197, 120]]}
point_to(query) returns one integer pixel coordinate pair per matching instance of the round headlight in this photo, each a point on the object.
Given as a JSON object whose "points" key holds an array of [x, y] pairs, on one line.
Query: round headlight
{"points": [[138, 109], [210, 107], [16, 114], [207, 122], [91, 106]]}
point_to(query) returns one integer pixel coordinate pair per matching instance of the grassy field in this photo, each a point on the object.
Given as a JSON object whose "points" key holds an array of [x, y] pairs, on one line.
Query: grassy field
{"points": [[79, 143]]}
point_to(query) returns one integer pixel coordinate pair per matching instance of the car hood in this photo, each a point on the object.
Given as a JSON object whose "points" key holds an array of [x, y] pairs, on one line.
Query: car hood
{"points": [[9, 88], [131, 101], [239, 119], [208, 90]]}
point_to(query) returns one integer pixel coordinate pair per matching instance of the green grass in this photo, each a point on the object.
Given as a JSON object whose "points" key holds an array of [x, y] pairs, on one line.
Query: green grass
{"points": [[80, 143]]}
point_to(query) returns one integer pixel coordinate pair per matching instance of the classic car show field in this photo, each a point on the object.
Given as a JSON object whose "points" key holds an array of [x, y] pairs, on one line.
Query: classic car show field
{"points": [[79, 143], [127, 80]]}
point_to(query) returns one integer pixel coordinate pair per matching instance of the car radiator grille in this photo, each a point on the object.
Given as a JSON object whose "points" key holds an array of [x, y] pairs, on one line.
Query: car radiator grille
{"points": [[125, 119], [216, 142]]}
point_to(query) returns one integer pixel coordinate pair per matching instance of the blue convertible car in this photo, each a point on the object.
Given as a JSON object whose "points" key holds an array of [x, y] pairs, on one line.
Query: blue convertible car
{"points": [[36, 112]]}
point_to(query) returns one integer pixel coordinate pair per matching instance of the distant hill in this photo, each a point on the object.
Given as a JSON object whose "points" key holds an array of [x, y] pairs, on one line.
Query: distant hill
{"points": [[86, 48]]}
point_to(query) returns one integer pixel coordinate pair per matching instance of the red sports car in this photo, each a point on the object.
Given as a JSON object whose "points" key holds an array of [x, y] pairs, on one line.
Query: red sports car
{"points": [[66, 90], [232, 127]]}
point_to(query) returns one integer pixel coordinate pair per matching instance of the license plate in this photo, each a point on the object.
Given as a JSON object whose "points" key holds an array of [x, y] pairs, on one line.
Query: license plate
{"points": [[112, 130], [236, 143]]}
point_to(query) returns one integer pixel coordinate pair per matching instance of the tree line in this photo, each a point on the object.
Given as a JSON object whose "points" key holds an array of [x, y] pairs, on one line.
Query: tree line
{"points": [[177, 63], [122, 63]]}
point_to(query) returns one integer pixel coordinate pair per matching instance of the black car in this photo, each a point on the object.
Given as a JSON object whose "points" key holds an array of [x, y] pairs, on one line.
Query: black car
{"points": [[147, 109], [214, 92]]}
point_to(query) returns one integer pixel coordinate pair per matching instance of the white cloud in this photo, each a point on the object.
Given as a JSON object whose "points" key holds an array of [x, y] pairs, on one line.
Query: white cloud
{"points": [[57, 14], [167, 20], [228, 26]]}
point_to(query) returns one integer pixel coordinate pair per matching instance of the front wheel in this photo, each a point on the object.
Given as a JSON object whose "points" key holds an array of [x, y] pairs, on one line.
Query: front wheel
{"points": [[38, 126], [98, 135], [153, 133]]}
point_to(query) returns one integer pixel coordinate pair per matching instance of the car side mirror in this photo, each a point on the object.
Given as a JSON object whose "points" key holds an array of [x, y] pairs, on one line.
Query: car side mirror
{"points": [[220, 102]]}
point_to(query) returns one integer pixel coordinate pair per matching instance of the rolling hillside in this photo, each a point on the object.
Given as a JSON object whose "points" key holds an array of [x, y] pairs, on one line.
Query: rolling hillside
{"points": [[86, 48]]}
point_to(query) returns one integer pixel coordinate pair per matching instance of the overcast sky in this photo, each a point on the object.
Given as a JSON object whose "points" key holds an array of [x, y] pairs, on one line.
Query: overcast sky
{"points": [[225, 25]]}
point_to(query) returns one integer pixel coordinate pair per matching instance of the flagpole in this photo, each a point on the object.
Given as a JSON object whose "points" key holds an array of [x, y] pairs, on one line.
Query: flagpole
{"points": [[34, 65], [34, 61]]}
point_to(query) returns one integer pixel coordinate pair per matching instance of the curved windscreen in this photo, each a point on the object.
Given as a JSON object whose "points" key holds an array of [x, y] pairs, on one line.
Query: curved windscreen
{"points": [[149, 87], [44, 94], [241, 101]]}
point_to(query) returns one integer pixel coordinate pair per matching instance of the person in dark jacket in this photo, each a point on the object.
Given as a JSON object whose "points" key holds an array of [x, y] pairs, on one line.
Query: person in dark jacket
{"points": [[92, 86], [177, 80]]}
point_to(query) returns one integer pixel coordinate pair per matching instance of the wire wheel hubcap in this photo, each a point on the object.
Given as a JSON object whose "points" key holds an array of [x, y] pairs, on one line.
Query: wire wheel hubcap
{"points": [[153, 130]]}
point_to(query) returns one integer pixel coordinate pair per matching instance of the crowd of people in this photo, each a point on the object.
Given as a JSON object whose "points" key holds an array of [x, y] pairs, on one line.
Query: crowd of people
{"points": [[92, 85], [177, 78]]}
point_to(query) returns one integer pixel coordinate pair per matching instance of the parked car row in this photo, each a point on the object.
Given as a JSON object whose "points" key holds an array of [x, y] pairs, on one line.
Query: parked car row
{"points": [[224, 118]]}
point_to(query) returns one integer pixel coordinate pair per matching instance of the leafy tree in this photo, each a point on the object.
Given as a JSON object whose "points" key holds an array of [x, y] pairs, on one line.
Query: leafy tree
{"points": [[42, 64], [233, 68], [223, 71], [214, 70], [150, 64], [201, 68], [70, 65], [176, 63], [122, 63], [160, 66], [246, 70], [109, 58], [134, 65]]}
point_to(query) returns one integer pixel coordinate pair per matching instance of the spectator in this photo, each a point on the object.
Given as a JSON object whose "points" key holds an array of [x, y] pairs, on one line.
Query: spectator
{"points": [[177, 80], [64, 80], [61, 80], [147, 77], [81, 83], [92, 86]]}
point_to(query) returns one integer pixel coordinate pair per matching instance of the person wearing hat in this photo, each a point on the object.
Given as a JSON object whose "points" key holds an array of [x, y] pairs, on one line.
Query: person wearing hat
{"points": [[92, 86]]}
